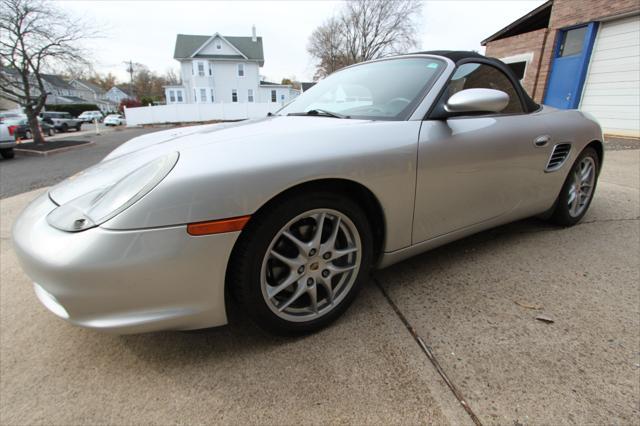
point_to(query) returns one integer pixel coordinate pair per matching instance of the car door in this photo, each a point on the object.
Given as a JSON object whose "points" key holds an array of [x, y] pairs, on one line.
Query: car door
{"points": [[477, 169]]}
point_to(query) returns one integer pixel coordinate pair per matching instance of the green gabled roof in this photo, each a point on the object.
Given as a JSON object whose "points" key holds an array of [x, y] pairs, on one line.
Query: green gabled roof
{"points": [[186, 45], [250, 49]]}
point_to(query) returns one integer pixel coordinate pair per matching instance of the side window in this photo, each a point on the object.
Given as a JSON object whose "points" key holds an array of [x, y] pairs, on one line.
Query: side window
{"points": [[481, 76]]}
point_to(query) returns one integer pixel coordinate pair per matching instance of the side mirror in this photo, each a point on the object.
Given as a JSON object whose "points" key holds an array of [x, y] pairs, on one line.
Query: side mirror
{"points": [[477, 101]]}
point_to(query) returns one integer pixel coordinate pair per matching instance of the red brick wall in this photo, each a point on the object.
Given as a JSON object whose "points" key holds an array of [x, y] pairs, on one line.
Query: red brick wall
{"points": [[524, 43], [564, 13]]}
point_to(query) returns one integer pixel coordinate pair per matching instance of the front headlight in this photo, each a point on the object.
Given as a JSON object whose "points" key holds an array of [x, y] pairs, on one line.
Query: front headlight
{"points": [[98, 206]]}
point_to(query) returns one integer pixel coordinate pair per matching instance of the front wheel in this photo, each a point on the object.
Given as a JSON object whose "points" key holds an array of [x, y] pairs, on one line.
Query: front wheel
{"points": [[578, 189], [299, 265]]}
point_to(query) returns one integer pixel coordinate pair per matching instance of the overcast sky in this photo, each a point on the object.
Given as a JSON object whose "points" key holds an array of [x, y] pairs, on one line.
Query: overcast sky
{"points": [[145, 31]]}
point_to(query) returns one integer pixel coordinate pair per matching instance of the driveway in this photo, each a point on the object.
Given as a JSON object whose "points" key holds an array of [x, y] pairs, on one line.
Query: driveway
{"points": [[472, 307]]}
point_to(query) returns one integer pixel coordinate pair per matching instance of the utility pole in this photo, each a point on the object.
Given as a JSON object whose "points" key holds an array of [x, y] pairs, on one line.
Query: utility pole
{"points": [[130, 71]]}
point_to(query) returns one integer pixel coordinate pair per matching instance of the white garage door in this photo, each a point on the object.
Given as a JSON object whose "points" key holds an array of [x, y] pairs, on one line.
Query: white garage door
{"points": [[612, 88]]}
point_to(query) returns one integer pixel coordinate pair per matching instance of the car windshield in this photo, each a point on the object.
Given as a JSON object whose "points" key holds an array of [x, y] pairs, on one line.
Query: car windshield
{"points": [[383, 90]]}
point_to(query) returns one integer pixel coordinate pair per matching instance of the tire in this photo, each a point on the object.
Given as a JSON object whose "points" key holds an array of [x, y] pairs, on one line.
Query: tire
{"points": [[254, 271], [78, 127], [7, 153], [50, 132], [565, 212], [64, 128]]}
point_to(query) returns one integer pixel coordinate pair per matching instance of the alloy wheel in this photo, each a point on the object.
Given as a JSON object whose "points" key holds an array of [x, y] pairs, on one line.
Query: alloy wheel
{"points": [[581, 190], [310, 265]]}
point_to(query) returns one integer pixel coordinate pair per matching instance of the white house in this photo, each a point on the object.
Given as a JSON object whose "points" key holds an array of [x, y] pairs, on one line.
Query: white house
{"points": [[117, 93], [223, 69], [94, 94]]}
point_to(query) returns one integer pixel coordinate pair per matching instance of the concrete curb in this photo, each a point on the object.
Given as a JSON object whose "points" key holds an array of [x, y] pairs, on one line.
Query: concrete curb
{"points": [[33, 153]]}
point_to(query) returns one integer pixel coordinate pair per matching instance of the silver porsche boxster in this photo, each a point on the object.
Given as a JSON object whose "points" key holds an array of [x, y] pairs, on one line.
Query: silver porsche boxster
{"points": [[289, 214]]}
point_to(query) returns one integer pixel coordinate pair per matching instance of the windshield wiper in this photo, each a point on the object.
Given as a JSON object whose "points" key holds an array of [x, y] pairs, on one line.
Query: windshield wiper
{"points": [[320, 112]]}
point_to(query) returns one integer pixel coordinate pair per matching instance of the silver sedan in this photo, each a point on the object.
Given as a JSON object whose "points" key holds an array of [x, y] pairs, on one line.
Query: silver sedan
{"points": [[289, 214]]}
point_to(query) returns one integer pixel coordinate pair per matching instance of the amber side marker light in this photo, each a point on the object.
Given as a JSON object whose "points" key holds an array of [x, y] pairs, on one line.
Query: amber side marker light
{"points": [[218, 226]]}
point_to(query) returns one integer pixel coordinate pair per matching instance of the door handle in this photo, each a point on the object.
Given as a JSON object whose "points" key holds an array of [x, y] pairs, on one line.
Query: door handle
{"points": [[542, 140]]}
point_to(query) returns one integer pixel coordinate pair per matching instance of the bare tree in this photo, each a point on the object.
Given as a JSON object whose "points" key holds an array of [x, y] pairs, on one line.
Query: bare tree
{"points": [[364, 30], [171, 78], [105, 82], [327, 45], [35, 36]]}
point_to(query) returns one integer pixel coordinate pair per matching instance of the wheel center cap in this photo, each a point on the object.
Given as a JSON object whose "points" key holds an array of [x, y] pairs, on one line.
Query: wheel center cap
{"points": [[314, 266]]}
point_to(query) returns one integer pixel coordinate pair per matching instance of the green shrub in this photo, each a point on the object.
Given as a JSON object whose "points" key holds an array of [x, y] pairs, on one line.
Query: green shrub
{"points": [[73, 109]]}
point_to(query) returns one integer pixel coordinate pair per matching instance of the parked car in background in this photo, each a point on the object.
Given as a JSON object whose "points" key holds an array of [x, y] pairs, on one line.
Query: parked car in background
{"points": [[114, 120], [89, 116], [62, 121], [22, 129], [10, 116], [7, 141]]}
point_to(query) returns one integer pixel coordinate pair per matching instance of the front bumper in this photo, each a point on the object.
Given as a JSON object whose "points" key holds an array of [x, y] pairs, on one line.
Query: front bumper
{"points": [[124, 281]]}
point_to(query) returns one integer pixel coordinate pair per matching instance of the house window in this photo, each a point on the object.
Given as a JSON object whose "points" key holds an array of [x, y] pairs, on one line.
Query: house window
{"points": [[518, 68], [210, 68], [179, 93], [234, 95], [203, 95], [218, 45], [172, 96], [240, 70], [250, 95], [213, 99], [201, 69], [274, 97]]}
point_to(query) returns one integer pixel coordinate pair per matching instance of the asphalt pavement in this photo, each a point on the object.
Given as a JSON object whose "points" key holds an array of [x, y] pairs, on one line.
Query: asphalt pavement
{"points": [[24, 173], [471, 305]]}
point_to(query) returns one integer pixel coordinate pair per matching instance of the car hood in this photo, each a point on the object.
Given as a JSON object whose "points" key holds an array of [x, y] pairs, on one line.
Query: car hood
{"points": [[254, 136], [266, 130]]}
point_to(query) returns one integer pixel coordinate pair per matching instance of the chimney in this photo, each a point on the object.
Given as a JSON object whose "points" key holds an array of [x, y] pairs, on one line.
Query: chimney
{"points": [[253, 34]]}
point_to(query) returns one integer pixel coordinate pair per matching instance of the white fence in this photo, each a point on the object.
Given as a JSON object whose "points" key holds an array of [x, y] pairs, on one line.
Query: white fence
{"points": [[184, 113]]}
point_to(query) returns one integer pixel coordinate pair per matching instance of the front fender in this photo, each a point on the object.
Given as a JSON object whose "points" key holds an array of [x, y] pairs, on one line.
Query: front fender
{"points": [[222, 180]]}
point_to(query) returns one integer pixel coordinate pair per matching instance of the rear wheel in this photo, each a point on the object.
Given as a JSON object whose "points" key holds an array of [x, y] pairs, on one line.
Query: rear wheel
{"points": [[298, 266], [78, 127], [64, 128], [7, 153], [50, 132], [576, 195]]}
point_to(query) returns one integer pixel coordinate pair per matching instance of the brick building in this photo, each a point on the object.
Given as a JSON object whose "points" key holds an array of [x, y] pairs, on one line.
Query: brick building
{"points": [[579, 54]]}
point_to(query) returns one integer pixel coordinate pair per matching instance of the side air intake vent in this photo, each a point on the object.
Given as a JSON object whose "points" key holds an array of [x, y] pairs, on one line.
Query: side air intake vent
{"points": [[558, 157]]}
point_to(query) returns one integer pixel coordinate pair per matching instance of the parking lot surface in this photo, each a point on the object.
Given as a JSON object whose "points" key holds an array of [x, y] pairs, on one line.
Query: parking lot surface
{"points": [[474, 303], [21, 174]]}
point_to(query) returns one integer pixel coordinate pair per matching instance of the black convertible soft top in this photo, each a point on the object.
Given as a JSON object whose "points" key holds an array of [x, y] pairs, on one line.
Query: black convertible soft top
{"points": [[461, 56]]}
